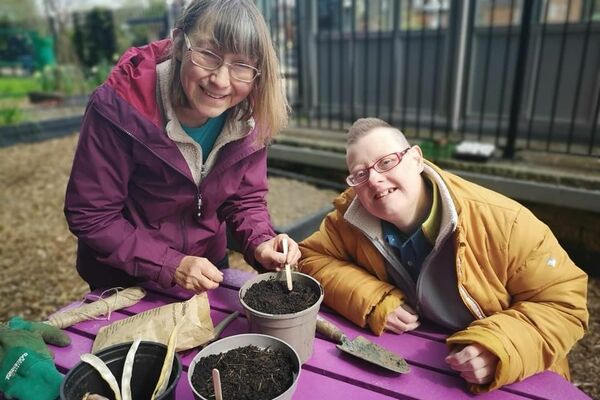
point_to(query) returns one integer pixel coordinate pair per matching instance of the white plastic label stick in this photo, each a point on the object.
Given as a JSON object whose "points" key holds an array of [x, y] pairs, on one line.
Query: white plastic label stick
{"points": [[288, 270]]}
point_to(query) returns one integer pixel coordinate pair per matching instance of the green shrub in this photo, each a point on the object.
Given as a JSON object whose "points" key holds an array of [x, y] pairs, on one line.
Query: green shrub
{"points": [[437, 149], [10, 116], [98, 74], [71, 79], [66, 79]]}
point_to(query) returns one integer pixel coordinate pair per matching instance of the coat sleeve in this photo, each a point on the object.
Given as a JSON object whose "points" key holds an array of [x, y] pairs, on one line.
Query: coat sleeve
{"points": [[246, 212], [350, 289], [95, 200], [547, 313]]}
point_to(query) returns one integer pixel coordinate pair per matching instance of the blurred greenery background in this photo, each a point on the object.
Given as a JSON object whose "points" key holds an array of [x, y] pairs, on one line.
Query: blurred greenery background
{"points": [[55, 50]]}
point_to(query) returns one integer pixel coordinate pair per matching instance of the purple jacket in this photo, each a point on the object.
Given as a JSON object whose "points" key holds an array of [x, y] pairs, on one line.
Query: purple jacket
{"points": [[131, 199]]}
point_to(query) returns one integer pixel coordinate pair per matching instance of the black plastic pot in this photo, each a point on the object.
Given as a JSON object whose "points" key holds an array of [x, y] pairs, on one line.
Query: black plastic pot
{"points": [[83, 378]]}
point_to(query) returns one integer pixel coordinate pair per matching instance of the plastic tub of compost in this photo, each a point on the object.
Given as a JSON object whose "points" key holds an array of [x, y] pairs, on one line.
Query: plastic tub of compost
{"points": [[294, 327], [261, 366]]}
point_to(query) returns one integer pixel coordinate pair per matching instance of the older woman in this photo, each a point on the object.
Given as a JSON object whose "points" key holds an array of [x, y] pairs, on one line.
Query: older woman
{"points": [[172, 150]]}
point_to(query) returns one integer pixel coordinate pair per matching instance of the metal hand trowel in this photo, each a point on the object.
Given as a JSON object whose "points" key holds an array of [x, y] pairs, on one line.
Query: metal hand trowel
{"points": [[362, 348]]}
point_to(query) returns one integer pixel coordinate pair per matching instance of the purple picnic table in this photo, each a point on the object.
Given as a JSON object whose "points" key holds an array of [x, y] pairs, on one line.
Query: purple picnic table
{"points": [[329, 373]]}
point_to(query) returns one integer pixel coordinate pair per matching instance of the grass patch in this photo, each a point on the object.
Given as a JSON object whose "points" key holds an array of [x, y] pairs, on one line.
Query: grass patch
{"points": [[15, 86]]}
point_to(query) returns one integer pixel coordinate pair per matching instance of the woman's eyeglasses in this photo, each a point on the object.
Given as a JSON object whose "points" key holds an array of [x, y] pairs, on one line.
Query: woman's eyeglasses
{"points": [[384, 164], [210, 61]]}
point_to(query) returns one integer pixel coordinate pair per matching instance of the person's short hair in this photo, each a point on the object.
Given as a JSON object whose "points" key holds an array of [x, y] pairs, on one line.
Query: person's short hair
{"points": [[236, 26], [363, 126]]}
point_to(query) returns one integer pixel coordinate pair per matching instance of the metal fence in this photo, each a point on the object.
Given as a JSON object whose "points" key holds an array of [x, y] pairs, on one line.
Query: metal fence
{"points": [[523, 74]]}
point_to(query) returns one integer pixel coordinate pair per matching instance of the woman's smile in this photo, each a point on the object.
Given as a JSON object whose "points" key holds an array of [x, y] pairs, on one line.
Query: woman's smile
{"points": [[213, 95]]}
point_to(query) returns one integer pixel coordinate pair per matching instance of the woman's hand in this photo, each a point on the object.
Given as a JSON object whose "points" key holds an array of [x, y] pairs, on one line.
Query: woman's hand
{"points": [[197, 274], [270, 253], [402, 319], [475, 363]]}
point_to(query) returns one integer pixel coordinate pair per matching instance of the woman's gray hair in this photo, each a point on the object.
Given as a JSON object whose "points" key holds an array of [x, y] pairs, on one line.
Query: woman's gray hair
{"points": [[362, 126], [235, 26]]}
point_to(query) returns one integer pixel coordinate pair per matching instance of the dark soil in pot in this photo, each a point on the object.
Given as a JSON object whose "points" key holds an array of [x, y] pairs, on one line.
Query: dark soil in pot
{"points": [[247, 373], [273, 297]]}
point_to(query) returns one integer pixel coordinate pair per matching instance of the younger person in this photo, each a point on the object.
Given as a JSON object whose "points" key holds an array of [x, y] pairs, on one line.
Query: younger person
{"points": [[408, 241]]}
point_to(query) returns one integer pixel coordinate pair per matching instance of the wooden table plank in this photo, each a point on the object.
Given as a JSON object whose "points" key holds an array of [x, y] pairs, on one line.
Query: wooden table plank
{"points": [[420, 383], [183, 390], [316, 386], [548, 386], [65, 358], [311, 386]]}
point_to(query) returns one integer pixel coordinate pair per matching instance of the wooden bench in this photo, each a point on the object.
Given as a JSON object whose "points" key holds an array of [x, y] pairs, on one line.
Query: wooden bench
{"points": [[330, 374]]}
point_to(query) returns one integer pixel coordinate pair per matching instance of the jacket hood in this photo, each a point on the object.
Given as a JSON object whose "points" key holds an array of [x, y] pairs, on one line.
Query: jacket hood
{"points": [[134, 77], [343, 201]]}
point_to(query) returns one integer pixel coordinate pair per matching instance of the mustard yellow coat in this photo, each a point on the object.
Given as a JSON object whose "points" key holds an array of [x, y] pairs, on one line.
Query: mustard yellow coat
{"points": [[527, 297]]}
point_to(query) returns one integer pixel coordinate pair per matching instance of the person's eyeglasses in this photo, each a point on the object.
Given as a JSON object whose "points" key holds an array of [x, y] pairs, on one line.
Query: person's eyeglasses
{"points": [[210, 61], [384, 164]]}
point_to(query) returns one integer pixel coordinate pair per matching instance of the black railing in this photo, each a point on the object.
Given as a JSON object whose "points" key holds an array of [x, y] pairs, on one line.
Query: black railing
{"points": [[521, 74]]}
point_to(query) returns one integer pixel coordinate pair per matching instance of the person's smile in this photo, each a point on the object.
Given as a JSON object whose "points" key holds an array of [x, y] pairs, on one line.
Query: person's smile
{"points": [[213, 94], [384, 193]]}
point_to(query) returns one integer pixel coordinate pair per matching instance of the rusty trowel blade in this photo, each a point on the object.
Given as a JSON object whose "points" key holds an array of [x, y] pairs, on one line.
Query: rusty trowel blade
{"points": [[371, 352]]}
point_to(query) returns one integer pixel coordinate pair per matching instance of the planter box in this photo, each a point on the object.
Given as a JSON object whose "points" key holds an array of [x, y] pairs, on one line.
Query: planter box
{"points": [[45, 97]]}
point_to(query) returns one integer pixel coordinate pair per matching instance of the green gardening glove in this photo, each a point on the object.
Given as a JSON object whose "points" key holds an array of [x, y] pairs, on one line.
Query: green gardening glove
{"points": [[27, 370]]}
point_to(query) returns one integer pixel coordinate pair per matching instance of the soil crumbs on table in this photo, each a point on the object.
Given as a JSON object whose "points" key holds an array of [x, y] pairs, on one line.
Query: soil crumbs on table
{"points": [[273, 297], [248, 373]]}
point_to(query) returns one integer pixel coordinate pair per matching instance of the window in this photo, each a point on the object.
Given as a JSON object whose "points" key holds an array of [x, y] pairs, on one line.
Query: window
{"points": [[596, 11], [498, 12], [561, 11], [424, 14], [378, 15]]}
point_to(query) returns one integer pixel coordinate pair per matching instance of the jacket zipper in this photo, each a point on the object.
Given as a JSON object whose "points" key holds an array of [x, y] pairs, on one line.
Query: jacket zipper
{"points": [[467, 299], [199, 205], [183, 234]]}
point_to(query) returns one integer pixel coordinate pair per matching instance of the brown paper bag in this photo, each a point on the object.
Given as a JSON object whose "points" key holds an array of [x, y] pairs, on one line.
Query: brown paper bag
{"points": [[157, 324]]}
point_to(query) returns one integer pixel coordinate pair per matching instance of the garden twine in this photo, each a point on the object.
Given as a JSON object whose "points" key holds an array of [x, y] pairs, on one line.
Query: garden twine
{"points": [[102, 307]]}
